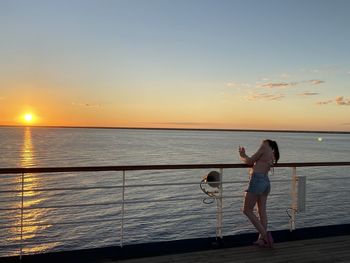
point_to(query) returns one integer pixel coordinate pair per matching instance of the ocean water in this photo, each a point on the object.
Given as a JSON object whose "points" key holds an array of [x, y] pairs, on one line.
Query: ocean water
{"points": [[66, 219]]}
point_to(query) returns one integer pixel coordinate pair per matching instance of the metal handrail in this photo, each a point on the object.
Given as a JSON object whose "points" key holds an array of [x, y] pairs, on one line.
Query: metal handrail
{"points": [[154, 167]]}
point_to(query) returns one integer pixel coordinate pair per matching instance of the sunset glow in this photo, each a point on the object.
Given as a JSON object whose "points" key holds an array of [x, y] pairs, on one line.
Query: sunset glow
{"points": [[176, 64]]}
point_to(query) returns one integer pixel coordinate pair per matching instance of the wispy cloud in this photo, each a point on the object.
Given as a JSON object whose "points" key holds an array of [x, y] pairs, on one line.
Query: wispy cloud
{"points": [[268, 90], [345, 124], [265, 96], [266, 84], [339, 100], [315, 81], [86, 105], [284, 85], [308, 93], [277, 85], [324, 102]]}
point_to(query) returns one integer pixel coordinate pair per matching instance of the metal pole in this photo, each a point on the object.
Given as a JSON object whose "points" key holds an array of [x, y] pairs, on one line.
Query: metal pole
{"points": [[22, 205], [122, 213], [294, 199], [219, 215]]}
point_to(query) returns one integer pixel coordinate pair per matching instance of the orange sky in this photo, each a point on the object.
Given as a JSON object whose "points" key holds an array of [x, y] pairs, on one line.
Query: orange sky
{"points": [[143, 64], [52, 107]]}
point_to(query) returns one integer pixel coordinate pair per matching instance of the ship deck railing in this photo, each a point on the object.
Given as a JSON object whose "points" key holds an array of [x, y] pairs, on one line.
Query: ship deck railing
{"points": [[18, 247]]}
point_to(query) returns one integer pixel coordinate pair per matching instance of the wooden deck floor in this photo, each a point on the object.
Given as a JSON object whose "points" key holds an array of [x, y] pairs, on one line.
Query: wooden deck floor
{"points": [[330, 249]]}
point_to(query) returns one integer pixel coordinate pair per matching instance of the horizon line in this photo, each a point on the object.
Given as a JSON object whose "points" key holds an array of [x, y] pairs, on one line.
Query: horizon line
{"points": [[173, 128]]}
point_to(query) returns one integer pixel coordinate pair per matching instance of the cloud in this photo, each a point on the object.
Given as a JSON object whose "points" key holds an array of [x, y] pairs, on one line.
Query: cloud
{"points": [[339, 100], [86, 105], [316, 81], [265, 96], [345, 124], [325, 102], [266, 84], [308, 93], [278, 85], [284, 85]]}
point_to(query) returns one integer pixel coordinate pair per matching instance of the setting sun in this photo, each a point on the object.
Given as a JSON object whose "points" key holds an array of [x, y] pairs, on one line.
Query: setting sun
{"points": [[28, 118]]}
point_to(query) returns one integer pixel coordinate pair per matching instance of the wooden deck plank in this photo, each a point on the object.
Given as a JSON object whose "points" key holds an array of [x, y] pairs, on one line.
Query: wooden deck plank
{"points": [[322, 250]]}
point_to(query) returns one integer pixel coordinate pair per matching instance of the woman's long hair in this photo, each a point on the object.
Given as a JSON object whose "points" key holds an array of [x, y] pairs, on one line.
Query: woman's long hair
{"points": [[274, 147]]}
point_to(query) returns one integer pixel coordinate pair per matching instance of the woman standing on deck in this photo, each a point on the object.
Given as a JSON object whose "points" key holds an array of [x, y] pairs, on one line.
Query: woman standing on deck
{"points": [[259, 187]]}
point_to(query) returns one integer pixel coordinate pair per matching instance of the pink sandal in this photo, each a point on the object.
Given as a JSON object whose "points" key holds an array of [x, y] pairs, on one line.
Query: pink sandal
{"points": [[261, 243], [265, 242], [269, 239]]}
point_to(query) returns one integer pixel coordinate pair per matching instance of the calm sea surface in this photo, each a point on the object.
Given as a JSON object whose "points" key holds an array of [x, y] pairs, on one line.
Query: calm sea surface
{"points": [[65, 219]]}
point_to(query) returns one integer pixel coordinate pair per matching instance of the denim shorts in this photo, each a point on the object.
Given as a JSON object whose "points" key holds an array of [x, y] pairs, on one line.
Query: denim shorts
{"points": [[259, 183]]}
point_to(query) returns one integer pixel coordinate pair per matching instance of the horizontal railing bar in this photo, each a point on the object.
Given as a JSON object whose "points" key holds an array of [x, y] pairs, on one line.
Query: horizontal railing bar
{"points": [[327, 179], [10, 209], [242, 195], [177, 215], [162, 200], [61, 223], [110, 187], [115, 168], [62, 189], [342, 190], [154, 167], [66, 206], [95, 187], [165, 184], [84, 223], [245, 181]]}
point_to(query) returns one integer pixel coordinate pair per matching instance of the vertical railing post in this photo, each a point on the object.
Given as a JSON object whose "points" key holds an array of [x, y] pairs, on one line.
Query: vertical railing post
{"points": [[122, 212], [294, 199], [219, 212], [22, 214]]}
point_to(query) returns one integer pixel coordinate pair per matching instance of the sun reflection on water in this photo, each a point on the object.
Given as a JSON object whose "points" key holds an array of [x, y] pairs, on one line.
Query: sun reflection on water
{"points": [[33, 219], [27, 154]]}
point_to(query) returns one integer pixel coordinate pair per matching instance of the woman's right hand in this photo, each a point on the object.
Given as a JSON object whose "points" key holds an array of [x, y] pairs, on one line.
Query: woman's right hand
{"points": [[241, 151]]}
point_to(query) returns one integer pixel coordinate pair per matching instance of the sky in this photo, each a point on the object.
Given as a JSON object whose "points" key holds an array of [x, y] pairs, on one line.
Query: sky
{"points": [[239, 64]]}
